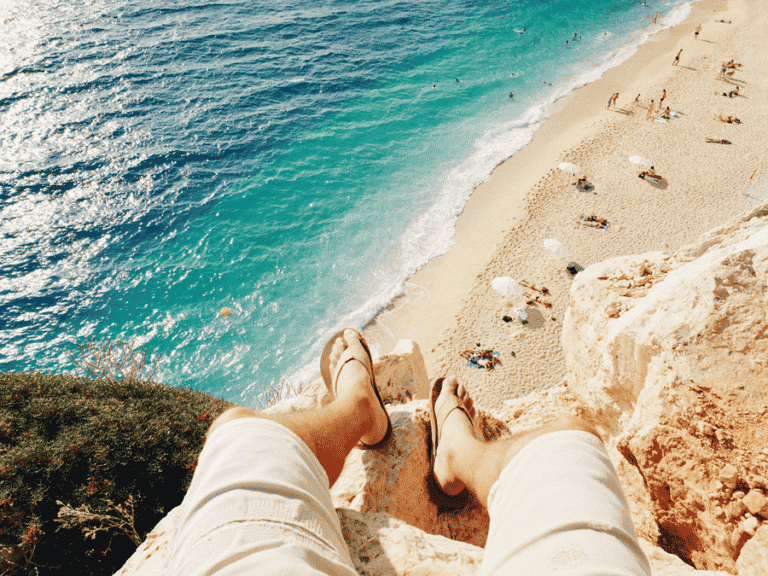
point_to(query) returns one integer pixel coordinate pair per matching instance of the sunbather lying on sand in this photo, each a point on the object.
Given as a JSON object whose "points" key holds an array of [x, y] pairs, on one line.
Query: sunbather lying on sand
{"points": [[582, 183], [732, 94], [714, 141], [482, 358], [729, 120], [650, 173]]}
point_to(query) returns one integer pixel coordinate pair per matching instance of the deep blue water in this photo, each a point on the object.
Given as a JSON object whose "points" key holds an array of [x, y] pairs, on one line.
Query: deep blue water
{"points": [[295, 162]]}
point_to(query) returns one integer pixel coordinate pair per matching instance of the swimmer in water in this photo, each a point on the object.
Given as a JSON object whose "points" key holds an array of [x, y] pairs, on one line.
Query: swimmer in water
{"points": [[511, 95]]}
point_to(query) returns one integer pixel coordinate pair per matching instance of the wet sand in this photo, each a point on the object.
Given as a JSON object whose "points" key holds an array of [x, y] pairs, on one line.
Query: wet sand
{"points": [[450, 305]]}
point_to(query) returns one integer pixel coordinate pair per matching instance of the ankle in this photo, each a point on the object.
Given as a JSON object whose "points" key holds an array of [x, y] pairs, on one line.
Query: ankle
{"points": [[357, 407]]}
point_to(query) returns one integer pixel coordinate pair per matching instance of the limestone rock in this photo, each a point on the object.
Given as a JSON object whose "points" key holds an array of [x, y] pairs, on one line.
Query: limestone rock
{"points": [[381, 545], [736, 508], [664, 369], [402, 375], [756, 503], [729, 476], [753, 560], [749, 525], [666, 564]]}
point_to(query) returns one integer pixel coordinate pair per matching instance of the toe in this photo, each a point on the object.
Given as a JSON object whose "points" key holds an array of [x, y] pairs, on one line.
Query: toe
{"points": [[338, 349], [334, 358], [355, 346], [463, 394]]}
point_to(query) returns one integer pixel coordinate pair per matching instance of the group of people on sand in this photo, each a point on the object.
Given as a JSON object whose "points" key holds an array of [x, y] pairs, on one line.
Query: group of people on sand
{"points": [[666, 114], [728, 68], [665, 111]]}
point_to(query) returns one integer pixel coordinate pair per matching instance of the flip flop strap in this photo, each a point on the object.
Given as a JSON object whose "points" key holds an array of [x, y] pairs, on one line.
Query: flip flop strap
{"points": [[445, 411], [338, 372]]}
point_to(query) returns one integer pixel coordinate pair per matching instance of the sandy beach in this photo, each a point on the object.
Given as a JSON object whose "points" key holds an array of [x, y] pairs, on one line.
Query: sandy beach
{"points": [[450, 305]]}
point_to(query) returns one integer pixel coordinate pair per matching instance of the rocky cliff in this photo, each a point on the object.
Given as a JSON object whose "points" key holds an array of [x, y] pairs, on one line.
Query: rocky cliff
{"points": [[666, 353]]}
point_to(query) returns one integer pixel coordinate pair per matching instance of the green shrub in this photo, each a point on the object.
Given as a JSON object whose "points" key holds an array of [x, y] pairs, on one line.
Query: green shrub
{"points": [[88, 467]]}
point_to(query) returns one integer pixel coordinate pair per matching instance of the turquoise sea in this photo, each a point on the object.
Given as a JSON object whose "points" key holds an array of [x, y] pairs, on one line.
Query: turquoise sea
{"points": [[295, 162]]}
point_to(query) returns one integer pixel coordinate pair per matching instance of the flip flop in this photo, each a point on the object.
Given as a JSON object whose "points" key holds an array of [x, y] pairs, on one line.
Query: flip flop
{"points": [[444, 501], [325, 372]]}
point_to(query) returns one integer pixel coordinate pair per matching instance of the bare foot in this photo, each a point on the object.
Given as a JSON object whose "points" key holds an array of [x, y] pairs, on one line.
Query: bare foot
{"points": [[353, 383], [453, 435]]}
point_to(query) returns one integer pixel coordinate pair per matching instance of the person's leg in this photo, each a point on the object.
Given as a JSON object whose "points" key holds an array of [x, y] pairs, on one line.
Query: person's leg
{"points": [[259, 496], [464, 461], [332, 431], [554, 499]]}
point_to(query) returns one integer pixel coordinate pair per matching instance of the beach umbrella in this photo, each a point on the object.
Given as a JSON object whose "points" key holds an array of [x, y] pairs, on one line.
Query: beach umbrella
{"points": [[556, 248], [568, 167], [639, 160], [506, 286]]}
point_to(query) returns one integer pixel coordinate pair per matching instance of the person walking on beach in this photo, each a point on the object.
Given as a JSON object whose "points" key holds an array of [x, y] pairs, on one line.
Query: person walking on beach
{"points": [[677, 58], [259, 501], [610, 101], [650, 110], [663, 96], [615, 97], [696, 32]]}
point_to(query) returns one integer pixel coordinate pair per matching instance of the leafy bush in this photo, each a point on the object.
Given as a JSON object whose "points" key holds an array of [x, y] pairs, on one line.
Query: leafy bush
{"points": [[88, 467]]}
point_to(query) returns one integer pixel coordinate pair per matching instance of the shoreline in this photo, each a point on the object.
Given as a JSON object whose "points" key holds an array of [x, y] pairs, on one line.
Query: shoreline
{"points": [[447, 306]]}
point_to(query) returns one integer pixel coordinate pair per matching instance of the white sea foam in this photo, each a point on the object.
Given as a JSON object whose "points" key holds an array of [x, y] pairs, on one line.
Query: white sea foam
{"points": [[677, 15]]}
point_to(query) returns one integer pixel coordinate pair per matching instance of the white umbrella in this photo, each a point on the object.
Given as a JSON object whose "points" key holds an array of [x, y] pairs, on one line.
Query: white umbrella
{"points": [[639, 160], [506, 286], [556, 248], [568, 167]]}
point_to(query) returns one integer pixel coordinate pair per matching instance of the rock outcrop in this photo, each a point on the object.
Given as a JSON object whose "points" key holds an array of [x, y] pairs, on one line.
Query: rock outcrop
{"points": [[666, 353], [669, 354]]}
